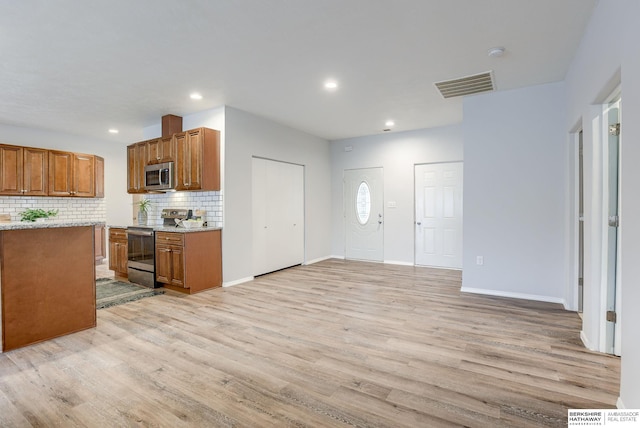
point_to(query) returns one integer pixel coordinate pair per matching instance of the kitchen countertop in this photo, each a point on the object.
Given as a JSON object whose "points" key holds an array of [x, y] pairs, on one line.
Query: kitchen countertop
{"points": [[170, 228], [21, 225]]}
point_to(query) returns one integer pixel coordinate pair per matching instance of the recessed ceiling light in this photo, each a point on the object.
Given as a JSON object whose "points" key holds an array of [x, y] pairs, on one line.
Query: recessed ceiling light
{"points": [[331, 84], [113, 131], [389, 123], [195, 96]]}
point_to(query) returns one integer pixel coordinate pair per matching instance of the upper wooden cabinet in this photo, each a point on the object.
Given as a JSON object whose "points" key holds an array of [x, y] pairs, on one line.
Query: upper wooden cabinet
{"points": [[23, 171], [136, 161], [160, 150], [198, 159], [29, 171], [71, 174], [99, 177], [195, 153]]}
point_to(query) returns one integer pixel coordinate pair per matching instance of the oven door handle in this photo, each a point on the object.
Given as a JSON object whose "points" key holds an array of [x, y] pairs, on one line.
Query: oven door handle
{"points": [[139, 233]]}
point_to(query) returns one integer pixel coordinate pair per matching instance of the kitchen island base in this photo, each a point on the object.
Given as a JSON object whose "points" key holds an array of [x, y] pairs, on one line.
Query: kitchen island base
{"points": [[47, 283]]}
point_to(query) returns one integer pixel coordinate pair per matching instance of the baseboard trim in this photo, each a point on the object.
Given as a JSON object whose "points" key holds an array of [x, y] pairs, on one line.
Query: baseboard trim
{"points": [[399, 263], [620, 404], [318, 260], [237, 281], [585, 341], [500, 293]]}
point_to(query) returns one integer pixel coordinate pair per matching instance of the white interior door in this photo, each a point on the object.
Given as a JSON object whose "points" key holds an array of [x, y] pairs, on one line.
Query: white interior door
{"points": [[363, 211], [278, 215], [438, 201], [613, 337]]}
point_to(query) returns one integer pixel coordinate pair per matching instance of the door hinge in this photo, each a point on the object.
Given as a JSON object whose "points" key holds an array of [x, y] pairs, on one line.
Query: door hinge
{"points": [[611, 316], [614, 221], [580, 281], [614, 129]]}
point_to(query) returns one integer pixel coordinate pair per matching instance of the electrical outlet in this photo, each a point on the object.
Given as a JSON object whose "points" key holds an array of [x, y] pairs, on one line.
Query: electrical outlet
{"points": [[479, 260]]}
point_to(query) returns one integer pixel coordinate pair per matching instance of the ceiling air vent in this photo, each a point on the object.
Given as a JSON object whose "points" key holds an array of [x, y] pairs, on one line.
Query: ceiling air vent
{"points": [[475, 84]]}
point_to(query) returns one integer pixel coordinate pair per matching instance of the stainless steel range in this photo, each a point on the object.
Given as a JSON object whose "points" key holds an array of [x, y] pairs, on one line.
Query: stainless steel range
{"points": [[141, 256]]}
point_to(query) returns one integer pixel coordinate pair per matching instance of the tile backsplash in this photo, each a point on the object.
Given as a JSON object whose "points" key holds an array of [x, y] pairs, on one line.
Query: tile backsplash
{"points": [[68, 208], [211, 202]]}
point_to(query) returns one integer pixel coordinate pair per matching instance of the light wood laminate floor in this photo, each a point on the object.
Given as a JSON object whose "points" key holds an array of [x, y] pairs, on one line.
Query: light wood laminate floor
{"points": [[331, 344]]}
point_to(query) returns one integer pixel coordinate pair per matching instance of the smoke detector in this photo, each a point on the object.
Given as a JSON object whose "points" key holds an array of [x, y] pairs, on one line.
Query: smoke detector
{"points": [[496, 52]]}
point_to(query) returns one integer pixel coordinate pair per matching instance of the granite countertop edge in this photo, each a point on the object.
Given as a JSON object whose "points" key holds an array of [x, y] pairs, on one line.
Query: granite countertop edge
{"points": [[169, 229], [22, 225]]}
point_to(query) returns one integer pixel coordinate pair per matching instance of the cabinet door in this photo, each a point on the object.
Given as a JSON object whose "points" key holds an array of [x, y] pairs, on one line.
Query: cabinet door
{"points": [[121, 266], [11, 170], [136, 155], [177, 266], [36, 165], [167, 149], [60, 173], [84, 184], [193, 156], [189, 159], [99, 244], [163, 264], [153, 155], [181, 156], [113, 255], [99, 169]]}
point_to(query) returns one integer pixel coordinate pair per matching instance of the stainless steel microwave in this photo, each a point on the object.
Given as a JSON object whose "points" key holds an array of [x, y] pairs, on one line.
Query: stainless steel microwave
{"points": [[159, 176]]}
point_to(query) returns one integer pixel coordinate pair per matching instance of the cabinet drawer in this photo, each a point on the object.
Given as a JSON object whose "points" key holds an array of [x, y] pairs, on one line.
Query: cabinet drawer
{"points": [[169, 238], [117, 234]]}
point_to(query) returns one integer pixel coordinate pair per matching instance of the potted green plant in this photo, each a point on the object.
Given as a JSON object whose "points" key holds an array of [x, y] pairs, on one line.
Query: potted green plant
{"points": [[37, 214], [144, 205]]}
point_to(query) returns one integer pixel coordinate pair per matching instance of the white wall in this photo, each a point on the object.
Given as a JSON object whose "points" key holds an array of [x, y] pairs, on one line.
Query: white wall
{"points": [[608, 55], [514, 193], [396, 153], [247, 135], [116, 206]]}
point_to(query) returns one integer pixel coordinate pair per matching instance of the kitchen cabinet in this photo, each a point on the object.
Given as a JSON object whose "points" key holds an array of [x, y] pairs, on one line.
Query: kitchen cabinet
{"points": [[160, 150], [170, 258], [136, 161], [118, 251], [189, 262], [197, 159], [99, 172], [99, 244], [23, 171], [71, 174]]}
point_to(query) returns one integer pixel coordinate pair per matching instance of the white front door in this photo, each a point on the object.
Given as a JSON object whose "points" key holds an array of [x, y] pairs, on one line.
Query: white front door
{"points": [[438, 201], [363, 211], [278, 215]]}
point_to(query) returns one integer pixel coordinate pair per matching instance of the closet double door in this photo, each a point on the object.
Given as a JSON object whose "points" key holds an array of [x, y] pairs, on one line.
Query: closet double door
{"points": [[278, 215]]}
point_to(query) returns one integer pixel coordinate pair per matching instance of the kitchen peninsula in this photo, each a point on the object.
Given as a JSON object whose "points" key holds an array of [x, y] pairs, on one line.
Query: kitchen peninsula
{"points": [[47, 280]]}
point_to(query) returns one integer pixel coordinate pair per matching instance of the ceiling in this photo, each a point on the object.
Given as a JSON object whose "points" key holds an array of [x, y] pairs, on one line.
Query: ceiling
{"points": [[83, 67]]}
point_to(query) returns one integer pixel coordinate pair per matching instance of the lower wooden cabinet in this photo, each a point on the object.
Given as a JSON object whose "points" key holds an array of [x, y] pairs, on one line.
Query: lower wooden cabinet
{"points": [[99, 243], [118, 251], [189, 262], [170, 258]]}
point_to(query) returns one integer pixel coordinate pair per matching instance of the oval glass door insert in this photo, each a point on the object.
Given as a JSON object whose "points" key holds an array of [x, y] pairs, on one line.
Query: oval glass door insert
{"points": [[363, 203]]}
